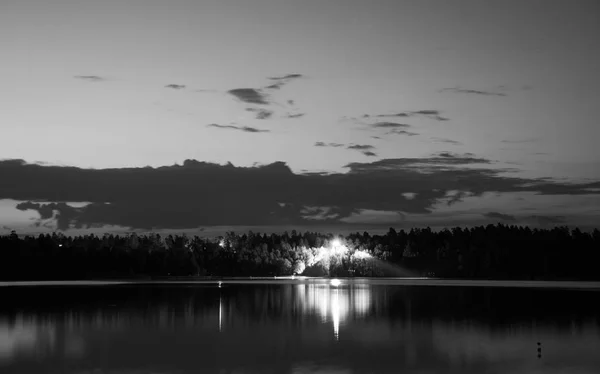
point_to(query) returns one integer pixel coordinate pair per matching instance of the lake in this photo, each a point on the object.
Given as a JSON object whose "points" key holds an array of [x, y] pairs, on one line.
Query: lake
{"points": [[299, 326]]}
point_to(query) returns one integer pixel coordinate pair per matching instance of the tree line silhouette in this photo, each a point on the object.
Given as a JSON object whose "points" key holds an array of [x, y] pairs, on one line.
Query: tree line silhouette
{"points": [[483, 252]]}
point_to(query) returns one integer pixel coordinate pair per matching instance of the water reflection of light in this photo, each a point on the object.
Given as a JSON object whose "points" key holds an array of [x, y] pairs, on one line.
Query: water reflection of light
{"points": [[335, 282], [25, 335], [335, 314], [320, 299], [220, 313], [334, 303]]}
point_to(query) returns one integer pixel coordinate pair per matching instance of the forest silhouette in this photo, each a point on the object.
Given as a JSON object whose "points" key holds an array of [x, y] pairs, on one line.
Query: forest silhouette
{"points": [[483, 252]]}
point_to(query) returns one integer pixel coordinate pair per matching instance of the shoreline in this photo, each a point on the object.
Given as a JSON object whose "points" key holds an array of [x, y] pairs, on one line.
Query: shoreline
{"points": [[581, 285]]}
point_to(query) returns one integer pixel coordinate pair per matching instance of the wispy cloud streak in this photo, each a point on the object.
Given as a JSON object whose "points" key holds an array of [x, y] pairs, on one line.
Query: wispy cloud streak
{"points": [[175, 86], [90, 78], [242, 128], [473, 92]]}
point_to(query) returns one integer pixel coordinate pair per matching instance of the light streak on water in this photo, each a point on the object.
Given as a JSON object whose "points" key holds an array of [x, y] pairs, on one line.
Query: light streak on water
{"points": [[335, 314], [220, 312]]}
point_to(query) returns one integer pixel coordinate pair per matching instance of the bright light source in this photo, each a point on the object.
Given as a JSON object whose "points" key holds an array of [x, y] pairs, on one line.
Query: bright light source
{"points": [[361, 255], [222, 243], [336, 243], [60, 245], [219, 284], [335, 282]]}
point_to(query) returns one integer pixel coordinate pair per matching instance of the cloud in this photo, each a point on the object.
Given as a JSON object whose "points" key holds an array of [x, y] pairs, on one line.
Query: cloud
{"points": [[296, 115], [308, 172], [401, 132], [287, 77], [449, 141], [63, 220], [403, 114], [474, 92], [323, 144], [365, 149], [90, 78], [438, 162], [232, 127], [430, 113], [261, 113], [434, 114], [456, 196], [264, 114], [175, 86], [290, 102], [249, 95], [500, 216], [317, 212], [388, 125], [427, 112], [206, 194], [275, 86], [361, 147], [445, 154], [283, 80]]}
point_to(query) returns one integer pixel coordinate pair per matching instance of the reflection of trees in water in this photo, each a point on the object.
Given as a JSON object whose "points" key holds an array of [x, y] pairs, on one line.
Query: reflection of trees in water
{"points": [[360, 325], [25, 335], [298, 304], [295, 305], [335, 304], [35, 337]]}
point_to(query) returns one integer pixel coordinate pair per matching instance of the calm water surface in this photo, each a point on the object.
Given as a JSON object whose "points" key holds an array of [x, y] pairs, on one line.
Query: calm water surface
{"points": [[297, 327]]}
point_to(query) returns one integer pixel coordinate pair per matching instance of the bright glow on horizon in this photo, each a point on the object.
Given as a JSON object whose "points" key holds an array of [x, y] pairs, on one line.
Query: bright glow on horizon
{"points": [[336, 248], [361, 255], [335, 282]]}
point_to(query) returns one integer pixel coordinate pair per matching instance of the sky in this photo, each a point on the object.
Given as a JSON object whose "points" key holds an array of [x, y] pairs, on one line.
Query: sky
{"points": [[307, 114]]}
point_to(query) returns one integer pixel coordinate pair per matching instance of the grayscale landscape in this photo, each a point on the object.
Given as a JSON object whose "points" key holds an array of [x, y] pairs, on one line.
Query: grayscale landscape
{"points": [[299, 186]]}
